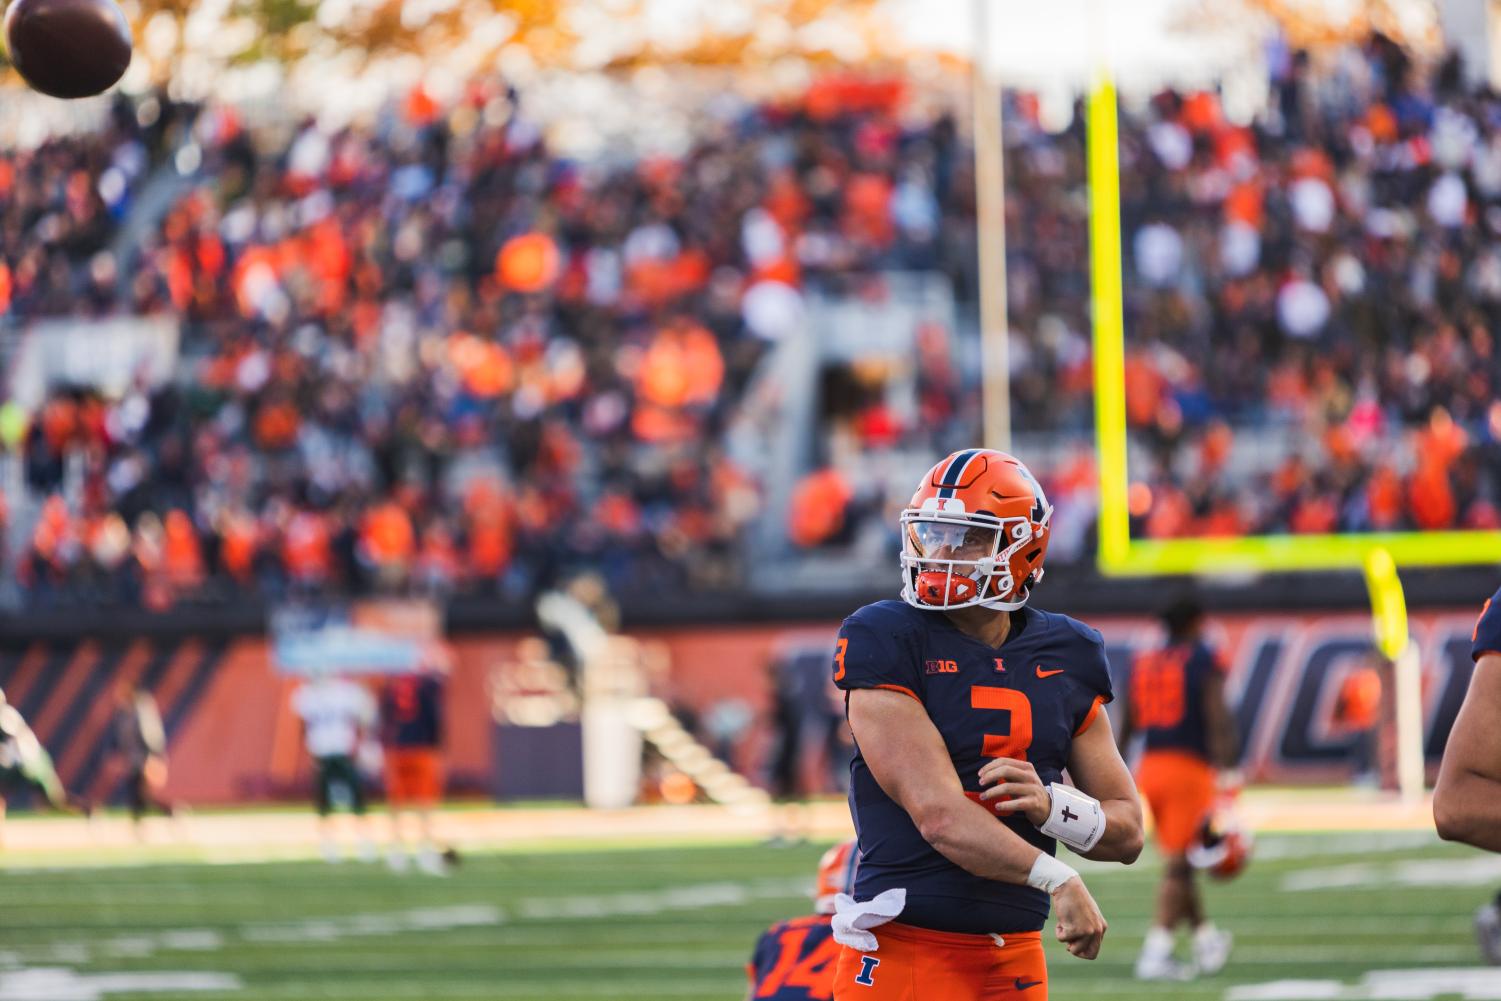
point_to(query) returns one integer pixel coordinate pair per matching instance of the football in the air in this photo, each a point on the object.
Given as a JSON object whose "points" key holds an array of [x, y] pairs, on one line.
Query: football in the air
{"points": [[68, 48]]}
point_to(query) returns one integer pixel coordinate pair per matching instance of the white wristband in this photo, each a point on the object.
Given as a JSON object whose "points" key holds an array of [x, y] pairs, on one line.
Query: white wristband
{"points": [[1048, 874], [1075, 819]]}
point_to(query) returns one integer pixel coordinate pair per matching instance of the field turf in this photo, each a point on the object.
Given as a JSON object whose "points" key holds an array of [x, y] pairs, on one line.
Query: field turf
{"points": [[673, 922]]}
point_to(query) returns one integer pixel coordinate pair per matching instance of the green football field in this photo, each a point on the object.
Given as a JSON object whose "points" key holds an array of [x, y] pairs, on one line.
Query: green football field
{"points": [[679, 922]]}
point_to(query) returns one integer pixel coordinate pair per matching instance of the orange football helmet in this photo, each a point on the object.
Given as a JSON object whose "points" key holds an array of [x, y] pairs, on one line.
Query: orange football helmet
{"points": [[1223, 846], [975, 533], [836, 875]]}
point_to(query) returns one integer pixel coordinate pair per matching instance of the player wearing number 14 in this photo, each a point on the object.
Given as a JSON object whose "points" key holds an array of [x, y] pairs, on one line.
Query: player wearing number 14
{"points": [[966, 705], [794, 960]]}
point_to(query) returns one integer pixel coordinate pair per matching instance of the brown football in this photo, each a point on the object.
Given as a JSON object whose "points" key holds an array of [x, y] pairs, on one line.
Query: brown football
{"points": [[68, 48]]}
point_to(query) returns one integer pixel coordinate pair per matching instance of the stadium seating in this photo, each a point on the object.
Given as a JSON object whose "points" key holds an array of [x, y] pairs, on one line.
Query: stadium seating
{"points": [[428, 352]]}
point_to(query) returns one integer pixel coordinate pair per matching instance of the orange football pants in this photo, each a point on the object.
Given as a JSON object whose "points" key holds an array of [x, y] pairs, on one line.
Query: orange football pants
{"points": [[1179, 787], [414, 776], [915, 964]]}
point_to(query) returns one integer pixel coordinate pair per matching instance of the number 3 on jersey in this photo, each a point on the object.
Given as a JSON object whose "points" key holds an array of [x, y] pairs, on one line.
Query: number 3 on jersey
{"points": [[1018, 736]]}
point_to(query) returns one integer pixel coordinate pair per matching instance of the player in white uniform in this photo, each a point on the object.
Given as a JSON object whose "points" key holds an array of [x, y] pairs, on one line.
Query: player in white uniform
{"points": [[337, 716]]}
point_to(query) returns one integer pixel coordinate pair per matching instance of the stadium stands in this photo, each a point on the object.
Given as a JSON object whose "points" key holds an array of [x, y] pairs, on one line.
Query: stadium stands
{"points": [[1311, 300], [403, 344], [428, 353]]}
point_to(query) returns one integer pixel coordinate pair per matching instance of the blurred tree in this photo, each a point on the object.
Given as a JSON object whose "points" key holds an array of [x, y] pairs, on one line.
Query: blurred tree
{"points": [[230, 31], [1315, 24], [619, 33], [755, 32]]}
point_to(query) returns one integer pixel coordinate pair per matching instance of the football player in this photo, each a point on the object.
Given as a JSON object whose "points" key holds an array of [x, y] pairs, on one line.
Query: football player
{"points": [[1467, 799], [794, 960], [139, 752], [966, 705], [25, 764], [337, 713], [412, 725], [1177, 702]]}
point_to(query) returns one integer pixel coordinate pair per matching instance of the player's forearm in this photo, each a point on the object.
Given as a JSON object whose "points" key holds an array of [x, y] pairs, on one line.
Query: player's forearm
{"points": [[1123, 838], [1222, 751], [968, 835], [1223, 738], [1224, 742], [1467, 808]]}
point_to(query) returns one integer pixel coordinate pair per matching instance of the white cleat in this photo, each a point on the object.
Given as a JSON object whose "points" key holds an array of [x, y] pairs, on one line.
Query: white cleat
{"points": [[1163, 968], [430, 862], [1212, 950]]}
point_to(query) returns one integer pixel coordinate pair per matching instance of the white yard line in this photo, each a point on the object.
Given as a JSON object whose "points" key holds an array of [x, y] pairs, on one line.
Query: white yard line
{"points": [[54, 984], [422, 919], [1275, 848], [1466, 983], [1467, 872]]}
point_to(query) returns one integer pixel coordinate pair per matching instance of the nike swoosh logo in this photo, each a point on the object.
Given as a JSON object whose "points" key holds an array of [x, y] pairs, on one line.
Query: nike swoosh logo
{"points": [[1047, 674], [1026, 985]]}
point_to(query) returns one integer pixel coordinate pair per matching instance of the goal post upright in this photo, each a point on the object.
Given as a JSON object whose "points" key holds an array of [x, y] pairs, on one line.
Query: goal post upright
{"points": [[1119, 555], [1393, 639]]}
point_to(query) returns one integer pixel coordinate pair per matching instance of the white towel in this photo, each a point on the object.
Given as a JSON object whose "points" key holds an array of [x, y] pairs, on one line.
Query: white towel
{"points": [[853, 919]]}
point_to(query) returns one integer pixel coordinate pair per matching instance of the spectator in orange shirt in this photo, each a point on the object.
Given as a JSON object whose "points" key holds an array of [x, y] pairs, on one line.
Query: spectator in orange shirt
{"points": [[182, 557], [387, 542], [306, 548], [819, 505]]}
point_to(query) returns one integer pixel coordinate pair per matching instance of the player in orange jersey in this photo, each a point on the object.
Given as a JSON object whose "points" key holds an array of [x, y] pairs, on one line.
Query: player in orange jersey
{"points": [[1177, 702], [411, 719], [794, 960]]}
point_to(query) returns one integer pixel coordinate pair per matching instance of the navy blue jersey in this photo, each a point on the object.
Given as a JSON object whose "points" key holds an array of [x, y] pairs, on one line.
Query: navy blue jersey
{"points": [[1487, 636], [794, 960], [1026, 699], [411, 711], [1167, 697]]}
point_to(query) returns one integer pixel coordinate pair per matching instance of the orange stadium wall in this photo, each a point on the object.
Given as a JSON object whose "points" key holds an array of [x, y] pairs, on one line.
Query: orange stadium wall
{"points": [[233, 737]]}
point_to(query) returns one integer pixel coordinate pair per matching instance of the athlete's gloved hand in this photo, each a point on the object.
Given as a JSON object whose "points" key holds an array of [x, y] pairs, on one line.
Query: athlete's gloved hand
{"points": [[1081, 926], [1017, 779]]}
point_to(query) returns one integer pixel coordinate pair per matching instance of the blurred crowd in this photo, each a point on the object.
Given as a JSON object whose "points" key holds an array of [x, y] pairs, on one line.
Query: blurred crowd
{"points": [[1325, 281], [429, 353]]}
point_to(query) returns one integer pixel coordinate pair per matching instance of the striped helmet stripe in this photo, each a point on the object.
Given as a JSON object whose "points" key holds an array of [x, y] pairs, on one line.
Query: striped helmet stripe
{"points": [[954, 475]]}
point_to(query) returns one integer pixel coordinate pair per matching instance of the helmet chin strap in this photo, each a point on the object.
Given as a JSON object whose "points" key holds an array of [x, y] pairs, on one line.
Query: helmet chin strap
{"points": [[1008, 606]]}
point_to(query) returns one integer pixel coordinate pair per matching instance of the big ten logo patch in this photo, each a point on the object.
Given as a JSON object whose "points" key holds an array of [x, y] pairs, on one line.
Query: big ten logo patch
{"points": [[941, 666]]}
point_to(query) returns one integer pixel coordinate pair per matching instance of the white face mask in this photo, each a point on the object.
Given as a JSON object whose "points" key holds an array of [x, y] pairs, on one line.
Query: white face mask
{"points": [[952, 560]]}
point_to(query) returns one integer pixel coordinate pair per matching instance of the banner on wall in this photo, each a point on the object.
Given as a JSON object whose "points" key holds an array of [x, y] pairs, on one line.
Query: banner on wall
{"points": [[367, 637], [513, 717]]}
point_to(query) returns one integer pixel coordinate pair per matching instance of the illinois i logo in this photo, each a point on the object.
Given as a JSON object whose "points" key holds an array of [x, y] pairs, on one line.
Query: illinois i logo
{"points": [[868, 966], [1000, 666]]}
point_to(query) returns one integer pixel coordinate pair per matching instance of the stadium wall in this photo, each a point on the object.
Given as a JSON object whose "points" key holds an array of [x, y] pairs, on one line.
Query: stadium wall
{"points": [[233, 737]]}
